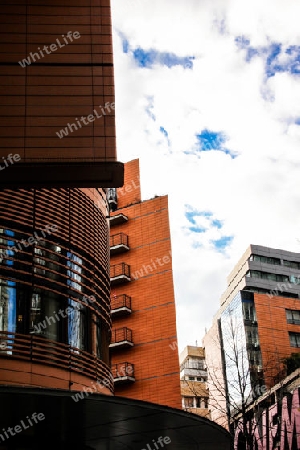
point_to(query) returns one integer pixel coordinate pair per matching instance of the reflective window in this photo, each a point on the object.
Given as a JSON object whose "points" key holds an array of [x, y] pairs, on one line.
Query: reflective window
{"points": [[74, 272], [295, 279], [8, 306], [35, 314], [266, 275], [293, 316], [292, 264], [265, 259], [295, 339], [188, 402], [44, 319], [76, 325], [249, 311]]}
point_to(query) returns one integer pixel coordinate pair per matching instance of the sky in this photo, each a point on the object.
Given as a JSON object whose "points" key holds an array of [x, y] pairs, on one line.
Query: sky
{"points": [[208, 99]]}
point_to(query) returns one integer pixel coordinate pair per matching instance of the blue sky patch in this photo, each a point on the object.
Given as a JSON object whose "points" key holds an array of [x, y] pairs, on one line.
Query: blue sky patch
{"points": [[165, 134], [194, 226], [242, 42], [125, 45], [209, 140], [163, 131], [190, 215], [222, 243], [278, 59], [148, 58], [217, 223], [149, 108]]}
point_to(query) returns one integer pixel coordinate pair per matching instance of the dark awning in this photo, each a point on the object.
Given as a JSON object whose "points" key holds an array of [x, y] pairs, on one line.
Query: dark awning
{"points": [[100, 422], [63, 175]]}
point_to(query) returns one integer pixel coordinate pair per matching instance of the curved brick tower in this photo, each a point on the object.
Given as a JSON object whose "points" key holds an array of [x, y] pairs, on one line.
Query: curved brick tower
{"points": [[55, 320]]}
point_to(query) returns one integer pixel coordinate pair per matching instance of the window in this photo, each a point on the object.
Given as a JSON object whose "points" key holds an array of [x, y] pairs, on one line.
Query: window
{"points": [[294, 339], [198, 402], [293, 316], [39, 261], [43, 317], [255, 273], [188, 402], [249, 312], [77, 325], [266, 275], [191, 378], [294, 279], [74, 263], [265, 259], [35, 314], [271, 276], [8, 306], [292, 264], [255, 358], [252, 336], [194, 364]]}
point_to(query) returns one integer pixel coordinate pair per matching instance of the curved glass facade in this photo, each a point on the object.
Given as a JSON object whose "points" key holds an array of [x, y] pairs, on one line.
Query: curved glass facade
{"points": [[54, 276]]}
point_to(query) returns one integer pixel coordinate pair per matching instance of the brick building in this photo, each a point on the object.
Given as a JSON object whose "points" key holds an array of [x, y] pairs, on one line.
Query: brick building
{"points": [[143, 307], [256, 327], [58, 157]]}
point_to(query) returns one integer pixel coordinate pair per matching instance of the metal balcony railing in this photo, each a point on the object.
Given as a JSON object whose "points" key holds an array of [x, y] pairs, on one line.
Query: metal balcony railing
{"points": [[119, 273], [121, 337], [112, 199], [117, 219], [118, 243], [253, 344], [121, 305], [250, 322], [123, 372]]}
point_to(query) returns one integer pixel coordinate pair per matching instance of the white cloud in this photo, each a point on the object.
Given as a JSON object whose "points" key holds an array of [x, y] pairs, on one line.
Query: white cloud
{"points": [[256, 195]]}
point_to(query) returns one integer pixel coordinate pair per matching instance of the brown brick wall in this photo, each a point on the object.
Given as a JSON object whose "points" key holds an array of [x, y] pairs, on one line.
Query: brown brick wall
{"points": [[273, 330], [58, 86], [130, 193], [153, 320]]}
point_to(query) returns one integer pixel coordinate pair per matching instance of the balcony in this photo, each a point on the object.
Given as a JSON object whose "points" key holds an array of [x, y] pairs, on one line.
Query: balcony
{"points": [[250, 322], [119, 273], [123, 373], [253, 345], [121, 305], [121, 338], [112, 199], [256, 368], [118, 243], [118, 219]]}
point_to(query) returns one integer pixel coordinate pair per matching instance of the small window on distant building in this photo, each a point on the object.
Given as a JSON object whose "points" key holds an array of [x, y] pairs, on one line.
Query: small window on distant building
{"points": [[191, 378], [295, 339], [293, 316], [188, 402]]}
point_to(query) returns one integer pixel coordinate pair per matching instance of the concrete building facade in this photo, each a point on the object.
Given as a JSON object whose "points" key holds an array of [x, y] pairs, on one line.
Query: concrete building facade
{"points": [[193, 378]]}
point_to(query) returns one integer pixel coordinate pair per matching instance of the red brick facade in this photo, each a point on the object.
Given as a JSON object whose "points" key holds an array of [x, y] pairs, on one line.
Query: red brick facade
{"points": [[273, 330], [153, 317]]}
